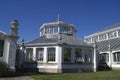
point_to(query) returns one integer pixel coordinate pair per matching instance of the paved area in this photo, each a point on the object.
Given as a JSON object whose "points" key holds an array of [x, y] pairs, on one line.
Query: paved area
{"points": [[18, 78]]}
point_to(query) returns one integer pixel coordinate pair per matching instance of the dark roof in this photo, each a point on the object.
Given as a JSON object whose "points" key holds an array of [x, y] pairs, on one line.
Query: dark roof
{"points": [[42, 40], [60, 39], [112, 44]]}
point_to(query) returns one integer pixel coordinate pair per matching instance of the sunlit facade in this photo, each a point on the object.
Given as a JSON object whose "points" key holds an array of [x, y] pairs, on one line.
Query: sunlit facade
{"points": [[108, 46], [8, 46], [58, 50]]}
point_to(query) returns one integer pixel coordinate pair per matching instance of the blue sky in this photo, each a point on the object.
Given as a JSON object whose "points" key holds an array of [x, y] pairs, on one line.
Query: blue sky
{"points": [[88, 16]]}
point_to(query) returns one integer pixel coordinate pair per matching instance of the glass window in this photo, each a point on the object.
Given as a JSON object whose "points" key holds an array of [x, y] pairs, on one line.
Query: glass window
{"points": [[116, 57], [112, 34], [51, 54], [55, 29], [78, 56], [67, 54], [93, 40], [29, 55], [87, 56], [64, 29], [1, 47], [102, 37], [96, 38], [46, 30], [39, 54], [119, 33], [50, 30], [104, 57]]}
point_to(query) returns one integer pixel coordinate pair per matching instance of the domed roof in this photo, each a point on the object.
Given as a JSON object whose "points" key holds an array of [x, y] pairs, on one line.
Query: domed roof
{"points": [[57, 23]]}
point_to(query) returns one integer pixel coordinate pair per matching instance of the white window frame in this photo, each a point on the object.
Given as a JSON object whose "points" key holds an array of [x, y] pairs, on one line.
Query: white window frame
{"points": [[51, 55]]}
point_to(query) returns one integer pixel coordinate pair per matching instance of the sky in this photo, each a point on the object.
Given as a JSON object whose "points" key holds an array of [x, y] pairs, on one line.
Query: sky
{"points": [[88, 16]]}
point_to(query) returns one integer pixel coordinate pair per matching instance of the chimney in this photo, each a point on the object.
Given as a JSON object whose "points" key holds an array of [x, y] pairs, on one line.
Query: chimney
{"points": [[14, 28]]}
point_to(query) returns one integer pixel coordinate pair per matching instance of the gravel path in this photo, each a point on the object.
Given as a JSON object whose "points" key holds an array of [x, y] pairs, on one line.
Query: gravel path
{"points": [[18, 78]]}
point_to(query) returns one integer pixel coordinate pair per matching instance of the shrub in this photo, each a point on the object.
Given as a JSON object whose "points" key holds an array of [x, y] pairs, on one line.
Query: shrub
{"points": [[3, 68]]}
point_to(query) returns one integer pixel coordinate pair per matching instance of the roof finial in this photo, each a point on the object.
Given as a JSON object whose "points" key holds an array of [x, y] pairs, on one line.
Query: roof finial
{"points": [[58, 17]]}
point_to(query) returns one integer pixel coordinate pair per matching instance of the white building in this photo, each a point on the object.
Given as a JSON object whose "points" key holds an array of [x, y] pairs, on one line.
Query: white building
{"points": [[108, 46], [57, 50], [8, 45]]}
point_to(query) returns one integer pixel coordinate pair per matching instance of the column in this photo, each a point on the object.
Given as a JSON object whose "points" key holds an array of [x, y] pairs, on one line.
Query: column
{"points": [[58, 29], [34, 54], [106, 35], [45, 55], [58, 54], [59, 58], [117, 34], [95, 61], [110, 59]]}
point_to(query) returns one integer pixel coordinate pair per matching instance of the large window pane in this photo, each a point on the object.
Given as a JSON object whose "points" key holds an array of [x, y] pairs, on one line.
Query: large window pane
{"points": [[116, 57], [87, 56], [51, 54], [39, 54], [118, 32], [78, 56], [29, 55], [67, 54], [55, 29], [1, 47]]}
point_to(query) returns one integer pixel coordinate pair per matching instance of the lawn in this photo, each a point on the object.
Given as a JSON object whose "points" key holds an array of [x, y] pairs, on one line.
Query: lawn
{"points": [[101, 75]]}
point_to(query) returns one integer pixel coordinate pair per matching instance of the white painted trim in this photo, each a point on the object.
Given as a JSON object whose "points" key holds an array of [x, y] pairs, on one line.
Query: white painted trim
{"points": [[103, 32]]}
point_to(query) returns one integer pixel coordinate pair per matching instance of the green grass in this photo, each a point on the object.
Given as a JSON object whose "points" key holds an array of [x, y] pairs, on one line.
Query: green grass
{"points": [[102, 75]]}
